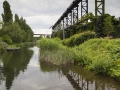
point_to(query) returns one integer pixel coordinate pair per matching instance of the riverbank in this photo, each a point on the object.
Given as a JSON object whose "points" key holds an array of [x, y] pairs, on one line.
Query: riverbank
{"points": [[4, 46], [99, 55]]}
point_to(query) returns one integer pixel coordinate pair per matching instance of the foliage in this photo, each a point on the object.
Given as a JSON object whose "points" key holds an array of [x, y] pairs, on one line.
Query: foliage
{"points": [[99, 55], [3, 45], [17, 31], [58, 34], [7, 15], [6, 39], [47, 44], [78, 38], [52, 50], [108, 26]]}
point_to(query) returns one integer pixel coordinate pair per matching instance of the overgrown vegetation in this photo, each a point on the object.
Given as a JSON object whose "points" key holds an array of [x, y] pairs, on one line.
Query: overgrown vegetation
{"points": [[111, 27], [100, 55], [52, 50], [78, 39], [14, 30]]}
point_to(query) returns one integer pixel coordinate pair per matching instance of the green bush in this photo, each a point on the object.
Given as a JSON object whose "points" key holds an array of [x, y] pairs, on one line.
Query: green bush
{"points": [[78, 39], [48, 44], [99, 55]]}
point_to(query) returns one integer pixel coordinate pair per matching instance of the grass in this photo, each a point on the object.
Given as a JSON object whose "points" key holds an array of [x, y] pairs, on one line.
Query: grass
{"points": [[52, 50], [100, 55]]}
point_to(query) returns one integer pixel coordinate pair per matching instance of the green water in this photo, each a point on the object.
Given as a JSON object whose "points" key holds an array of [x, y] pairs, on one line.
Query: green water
{"points": [[22, 70]]}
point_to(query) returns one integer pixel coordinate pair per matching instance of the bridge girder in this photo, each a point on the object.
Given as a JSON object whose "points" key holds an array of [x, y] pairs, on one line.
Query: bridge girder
{"points": [[84, 7], [73, 10], [99, 14]]}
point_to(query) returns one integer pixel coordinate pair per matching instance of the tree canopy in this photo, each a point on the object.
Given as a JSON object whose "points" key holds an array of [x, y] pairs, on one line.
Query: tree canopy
{"points": [[14, 31]]}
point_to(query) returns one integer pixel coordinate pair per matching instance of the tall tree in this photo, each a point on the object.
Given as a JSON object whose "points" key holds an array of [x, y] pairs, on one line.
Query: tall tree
{"points": [[7, 15], [108, 26], [17, 18]]}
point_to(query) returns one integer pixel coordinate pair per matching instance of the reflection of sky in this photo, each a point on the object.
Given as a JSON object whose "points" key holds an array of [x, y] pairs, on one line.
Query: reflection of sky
{"points": [[34, 79], [35, 58]]}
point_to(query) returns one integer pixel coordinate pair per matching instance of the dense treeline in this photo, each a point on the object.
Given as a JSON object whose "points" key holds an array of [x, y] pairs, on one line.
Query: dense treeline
{"points": [[14, 30], [111, 27]]}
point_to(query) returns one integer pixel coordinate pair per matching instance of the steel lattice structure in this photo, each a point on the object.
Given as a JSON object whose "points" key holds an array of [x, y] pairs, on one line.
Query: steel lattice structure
{"points": [[99, 13], [70, 16]]}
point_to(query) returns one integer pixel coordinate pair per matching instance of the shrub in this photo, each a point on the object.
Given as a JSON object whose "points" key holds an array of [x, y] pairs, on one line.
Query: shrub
{"points": [[48, 44], [99, 55], [78, 39]]}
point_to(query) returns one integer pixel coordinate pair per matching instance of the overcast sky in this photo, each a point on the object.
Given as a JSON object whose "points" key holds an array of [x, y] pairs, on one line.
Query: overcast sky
{"points": [[40, 15]]}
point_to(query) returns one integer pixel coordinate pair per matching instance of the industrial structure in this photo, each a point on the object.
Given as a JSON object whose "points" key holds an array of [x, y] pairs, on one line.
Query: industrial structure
{"points": [[70, 16]]}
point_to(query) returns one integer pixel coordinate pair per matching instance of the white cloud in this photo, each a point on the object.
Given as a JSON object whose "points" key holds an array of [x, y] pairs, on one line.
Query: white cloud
{"points": [[42, 31], [42, 14]]}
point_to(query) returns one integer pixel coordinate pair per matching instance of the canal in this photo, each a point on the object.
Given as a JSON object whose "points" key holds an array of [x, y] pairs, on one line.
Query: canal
{"points": [[22, 70]]}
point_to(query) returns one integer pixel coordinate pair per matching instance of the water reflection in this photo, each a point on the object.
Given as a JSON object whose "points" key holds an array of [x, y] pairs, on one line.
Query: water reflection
{"points": [[81, 79], [1, 74], [85, 80], [13, 64], [22, 70]]}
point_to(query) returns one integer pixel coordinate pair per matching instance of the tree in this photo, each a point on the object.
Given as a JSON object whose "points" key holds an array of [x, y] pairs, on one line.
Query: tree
{"points": [[108, 26], [17, 35], [17, 18], [7, 15]]}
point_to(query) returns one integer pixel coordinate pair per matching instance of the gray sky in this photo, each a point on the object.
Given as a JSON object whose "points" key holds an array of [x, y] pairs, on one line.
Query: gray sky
{"points": [[42, 14]]}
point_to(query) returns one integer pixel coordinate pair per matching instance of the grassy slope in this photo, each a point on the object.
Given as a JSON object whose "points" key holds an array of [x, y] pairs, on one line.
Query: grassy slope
{"points": [[100, 55]]}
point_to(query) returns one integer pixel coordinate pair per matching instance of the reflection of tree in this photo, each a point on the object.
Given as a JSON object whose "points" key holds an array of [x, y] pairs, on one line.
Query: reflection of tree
{"points": [[13, 63], [1, 74], [47, 67]]}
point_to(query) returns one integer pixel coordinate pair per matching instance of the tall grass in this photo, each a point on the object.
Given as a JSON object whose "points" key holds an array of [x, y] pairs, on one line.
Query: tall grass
{"points": [[52, 50]]}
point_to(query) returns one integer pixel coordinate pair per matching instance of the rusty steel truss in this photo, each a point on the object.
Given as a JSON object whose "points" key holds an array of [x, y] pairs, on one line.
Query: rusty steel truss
{"points": [[70, 16], [99, 14]]}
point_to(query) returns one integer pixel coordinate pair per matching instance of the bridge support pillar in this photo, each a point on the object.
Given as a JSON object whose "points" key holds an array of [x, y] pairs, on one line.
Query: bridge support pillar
{"points": [[63, 28], [84, 7], [70, 19], [75, 14], [99, 14]]}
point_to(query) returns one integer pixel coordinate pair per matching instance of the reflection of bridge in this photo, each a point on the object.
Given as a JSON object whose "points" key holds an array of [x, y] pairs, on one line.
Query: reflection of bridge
{"points": [[43, 35], [80, 83]]}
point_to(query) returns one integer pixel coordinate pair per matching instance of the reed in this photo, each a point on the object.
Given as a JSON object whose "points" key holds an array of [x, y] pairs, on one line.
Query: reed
{"points": [[52, 50]]}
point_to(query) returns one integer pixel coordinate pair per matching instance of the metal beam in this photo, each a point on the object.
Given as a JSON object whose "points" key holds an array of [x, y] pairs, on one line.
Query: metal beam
{"points": [[99, 13], [68, 10], [84, 8], [75, 14]]}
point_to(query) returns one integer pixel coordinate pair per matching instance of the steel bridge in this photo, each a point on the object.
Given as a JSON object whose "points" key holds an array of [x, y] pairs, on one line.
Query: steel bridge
{"points": [[70, 16], [43, 35]]}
